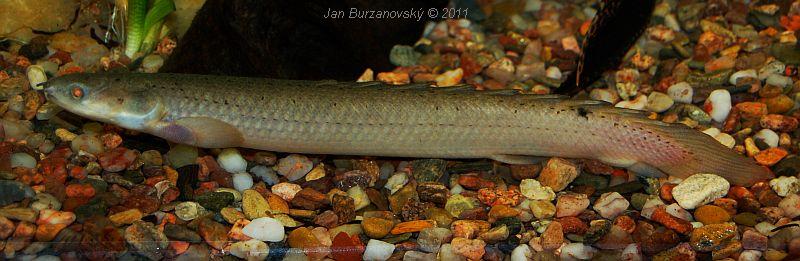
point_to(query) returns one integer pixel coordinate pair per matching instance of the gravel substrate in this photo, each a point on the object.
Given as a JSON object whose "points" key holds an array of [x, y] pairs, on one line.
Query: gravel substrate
{"points": [[74, 189]]}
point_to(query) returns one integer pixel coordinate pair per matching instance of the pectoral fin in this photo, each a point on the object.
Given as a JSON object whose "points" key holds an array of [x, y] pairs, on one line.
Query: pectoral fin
{"points": [[645, 169], [201, 132], [517, 159]]}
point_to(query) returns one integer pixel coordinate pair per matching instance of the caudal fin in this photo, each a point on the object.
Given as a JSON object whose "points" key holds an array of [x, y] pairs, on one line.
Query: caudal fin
{"points": [[709, 156]]}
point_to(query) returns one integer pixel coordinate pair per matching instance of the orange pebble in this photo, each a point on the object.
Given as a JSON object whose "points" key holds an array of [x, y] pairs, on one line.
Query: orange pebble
{"points": [[710, 214], [412, 226], [666, 192], [770, 156]]}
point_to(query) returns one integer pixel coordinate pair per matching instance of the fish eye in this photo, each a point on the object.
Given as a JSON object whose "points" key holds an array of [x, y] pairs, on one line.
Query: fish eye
{"points": [[77, 92]]}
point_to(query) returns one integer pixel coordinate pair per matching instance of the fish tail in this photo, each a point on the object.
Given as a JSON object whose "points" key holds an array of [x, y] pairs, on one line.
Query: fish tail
{"points": [[707, 155]]}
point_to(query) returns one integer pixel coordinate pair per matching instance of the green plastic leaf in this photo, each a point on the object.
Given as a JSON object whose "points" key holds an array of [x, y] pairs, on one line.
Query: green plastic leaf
{"points": [[136, 21], [159, 10]]}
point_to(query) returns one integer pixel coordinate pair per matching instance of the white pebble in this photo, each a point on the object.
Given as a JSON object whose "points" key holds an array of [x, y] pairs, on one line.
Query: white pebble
{"points": [[785, 185], [681, 92], [603, 95], [610, 204], [44, 258], [775, 67], [750, 73], [231, 161], [720, 101], [750, 255], [712, 131], [638, 103], [396, 182], [286, 190], [266, 174], [765, 228], [726, 139], [768, 136], [632, 252], [264, 229], [378, 250], [242, 181], [250, 250], [677, 211], [294, 166], [188, 210], [779, 80], [659, 102], [456, 189], [36, 75], [650, 205], [521, 253], [359, 196], [790, 205], [700, 189], [534, 190], [88, 143], [553, 72], [577, 251], [22, 160]]}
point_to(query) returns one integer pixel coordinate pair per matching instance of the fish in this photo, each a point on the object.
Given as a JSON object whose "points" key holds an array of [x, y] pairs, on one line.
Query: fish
{"points": [[613, 31], [377, 119]]}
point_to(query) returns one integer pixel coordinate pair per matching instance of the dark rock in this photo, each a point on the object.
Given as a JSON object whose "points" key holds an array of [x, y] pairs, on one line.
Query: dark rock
{"points": [[215, 201], [277, 251], [344, 207], [433, 192], [187, 181], [178, 232], [597, 229], [595, 181], [116, 178], [95, 207], [347, 180], [788, 166], [428, 170], [37, 48], [512, 223], [13, 191], [147, 239]]}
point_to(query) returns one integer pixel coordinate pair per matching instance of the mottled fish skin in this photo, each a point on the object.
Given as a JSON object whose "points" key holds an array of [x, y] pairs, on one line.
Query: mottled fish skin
{"points": [[614, 29], [399, 121]]}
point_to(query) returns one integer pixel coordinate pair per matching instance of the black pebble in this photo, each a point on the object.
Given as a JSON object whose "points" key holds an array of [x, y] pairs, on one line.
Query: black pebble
{"points": [[36, 49]]}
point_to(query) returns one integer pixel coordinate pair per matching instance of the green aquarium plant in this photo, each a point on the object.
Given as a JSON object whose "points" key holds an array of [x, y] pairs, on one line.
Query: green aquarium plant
{"points": [[145, 22]]}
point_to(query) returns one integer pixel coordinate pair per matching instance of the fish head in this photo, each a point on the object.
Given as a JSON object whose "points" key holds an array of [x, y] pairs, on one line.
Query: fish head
{"points": [[105, 98]]}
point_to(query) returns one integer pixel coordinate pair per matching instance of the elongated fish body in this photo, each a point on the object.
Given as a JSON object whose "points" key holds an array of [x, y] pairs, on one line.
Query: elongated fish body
{"points": [[400, 121]]}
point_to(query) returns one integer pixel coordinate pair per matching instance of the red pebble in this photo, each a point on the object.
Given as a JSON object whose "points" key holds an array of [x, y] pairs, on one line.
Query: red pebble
{"points": [[626, 223], [474, 182], [117, 159], [54, 169], [77, 172], [661, 216], [80, 191], [739, 192], [573, 225], [345, 247], [207, 165]]}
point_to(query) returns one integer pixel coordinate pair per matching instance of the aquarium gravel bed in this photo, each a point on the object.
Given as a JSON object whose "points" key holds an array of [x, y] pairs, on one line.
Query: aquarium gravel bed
{"points": [[73, 189]]}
